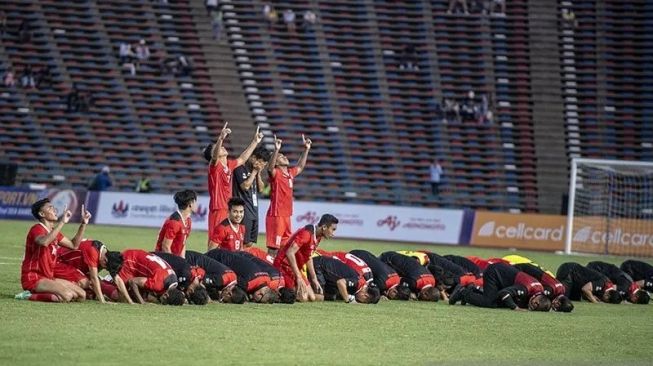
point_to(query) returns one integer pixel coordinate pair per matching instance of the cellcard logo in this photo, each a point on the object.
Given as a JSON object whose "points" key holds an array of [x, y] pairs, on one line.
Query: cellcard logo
{"points": [[618, 236], [310, 217], [391, 221], [120, 209], [200, 213], [521, 231]]}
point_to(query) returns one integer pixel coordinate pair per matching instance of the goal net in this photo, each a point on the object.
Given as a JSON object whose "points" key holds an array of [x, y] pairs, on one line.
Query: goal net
{"points": [[610, 208]]}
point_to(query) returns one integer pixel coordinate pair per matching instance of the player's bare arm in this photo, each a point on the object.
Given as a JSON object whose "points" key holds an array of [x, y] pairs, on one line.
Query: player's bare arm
{"points": [[122, 289], [587, 293], [273, 159], [218, 144], [95, 283], [77, 239], [301, 164], [247, 184], [44, 240], [341, 284], [313, 275], [258, 137], [166, 245], [135, 284], [260, 184]]}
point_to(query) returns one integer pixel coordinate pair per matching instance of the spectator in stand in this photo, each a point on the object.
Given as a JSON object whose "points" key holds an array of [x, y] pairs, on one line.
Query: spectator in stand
{"points": [[451, 110], [184, 64], [211, 6], [469, 110], [501, 4], [9, 80], [270, 14], [289, 19], [102, 181], [142, 51], [453, 5], [127, 57], [144, 185], [27, 78], [217, 25], [309, 20], [569, 18], [24, 31], [44, 77], [436, 171], [3, 23], [408, 58]]}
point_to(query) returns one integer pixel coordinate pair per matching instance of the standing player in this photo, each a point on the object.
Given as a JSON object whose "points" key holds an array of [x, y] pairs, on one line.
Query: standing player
{"points": [[627, 288], [385, 277], [641, 272], [139, 269], [296, 253], [176, 229], [505, 286], [581, 281], [341, 281], [248, 183], [220, 172], [89, 258], [230, 233], [419, 279], [277, 221], [43, 240]]}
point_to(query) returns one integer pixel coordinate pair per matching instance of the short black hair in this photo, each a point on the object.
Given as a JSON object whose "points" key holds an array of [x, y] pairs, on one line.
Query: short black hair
{"points": [[374, 294], [642, 297], [213, 293], [270, 297], [37, 206], [430, 293], [403, 292], [565, 305], [235, 201], [238, 295], [261, 153], [287, 295], [327, 220], [184, 198], [199, 297], [544, 304], [175, 297], [614, 297], [207, 152], [114, 263]]}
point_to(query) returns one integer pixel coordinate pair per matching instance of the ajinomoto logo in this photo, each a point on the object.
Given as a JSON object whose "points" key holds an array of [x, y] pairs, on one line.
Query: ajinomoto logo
{"points": [[618, 236], [520, 231]]}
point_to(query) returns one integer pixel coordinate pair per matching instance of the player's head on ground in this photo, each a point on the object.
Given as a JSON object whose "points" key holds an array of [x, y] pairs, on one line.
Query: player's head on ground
{"points": [[114, 263], [287, 295], [639, 296], [611, 296], [173, 296], [232, 294], [327, 226], [185, 199], [263, 295], [399, 292], [539, 302], [43, 210], [369, 294], [562, 304], [429, 293], [236, 210], [199, 296]]}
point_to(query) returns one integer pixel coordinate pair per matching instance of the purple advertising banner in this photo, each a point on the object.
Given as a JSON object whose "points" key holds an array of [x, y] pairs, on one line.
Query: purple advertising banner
{"points": [[16, 202]]}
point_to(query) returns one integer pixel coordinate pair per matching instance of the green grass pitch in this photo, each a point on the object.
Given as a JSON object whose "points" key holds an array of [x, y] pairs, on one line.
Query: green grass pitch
{"points": [[406, 333]]}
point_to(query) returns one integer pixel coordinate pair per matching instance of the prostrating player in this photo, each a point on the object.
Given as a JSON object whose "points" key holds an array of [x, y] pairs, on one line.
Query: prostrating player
{"points": [[483, 263], [419, 279], [89, 258], [449, 274], [139, 269], [341, 281], [505, 286], [176, 229], [353, 262], [230, 233], [248, 183], [251, 278], [627, 288], [385, 277], [189, 279], [641, 272], [581, 282], [553, 288], [220, 172], [296, 253], [276, 281], [40, 261], [217, 276], [260, 254], [468, 265], [277, 221]]}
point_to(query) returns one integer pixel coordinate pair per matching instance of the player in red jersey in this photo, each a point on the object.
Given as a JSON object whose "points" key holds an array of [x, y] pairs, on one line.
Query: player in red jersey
{"points": [[139, 269], [220, 174], [177, 227], [89, 258], [282, 176], [230, 233], [296, 253], [43, 241]]}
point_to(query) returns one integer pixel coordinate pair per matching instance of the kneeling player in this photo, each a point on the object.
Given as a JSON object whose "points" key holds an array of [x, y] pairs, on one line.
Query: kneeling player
{"points": [[385, 277], [581, 282], [89, 258], [139, 269], [419, 279], [627, 288], [341, 281], [640, 272], [505, 286], [230, 233]]}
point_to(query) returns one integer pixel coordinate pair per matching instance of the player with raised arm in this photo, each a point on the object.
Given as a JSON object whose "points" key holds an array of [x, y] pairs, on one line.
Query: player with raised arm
{"points": [[220, 173], [89, 258], [278, 226], [176, 229], [40, 261]]}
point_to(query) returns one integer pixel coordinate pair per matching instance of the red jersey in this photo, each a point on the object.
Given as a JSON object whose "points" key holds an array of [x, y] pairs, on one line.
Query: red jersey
{"points": [[281, 192], [220, 184], [40, 258], [86, 256], [260, 254], [353, 262], [307, 241], [483, 263], [228, 236], [177, 230], [139, 263], [532, 285]]}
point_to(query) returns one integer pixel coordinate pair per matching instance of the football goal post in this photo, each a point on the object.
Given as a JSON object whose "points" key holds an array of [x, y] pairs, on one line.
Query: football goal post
{"points": [[610, 208]]}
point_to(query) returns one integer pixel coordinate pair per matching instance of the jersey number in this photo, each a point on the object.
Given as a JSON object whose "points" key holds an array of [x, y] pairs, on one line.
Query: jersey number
{"points": [[158, 260]]}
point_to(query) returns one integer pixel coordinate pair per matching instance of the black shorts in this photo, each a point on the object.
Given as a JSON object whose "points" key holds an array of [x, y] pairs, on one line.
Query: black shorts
{"points": [[251, 227]]}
